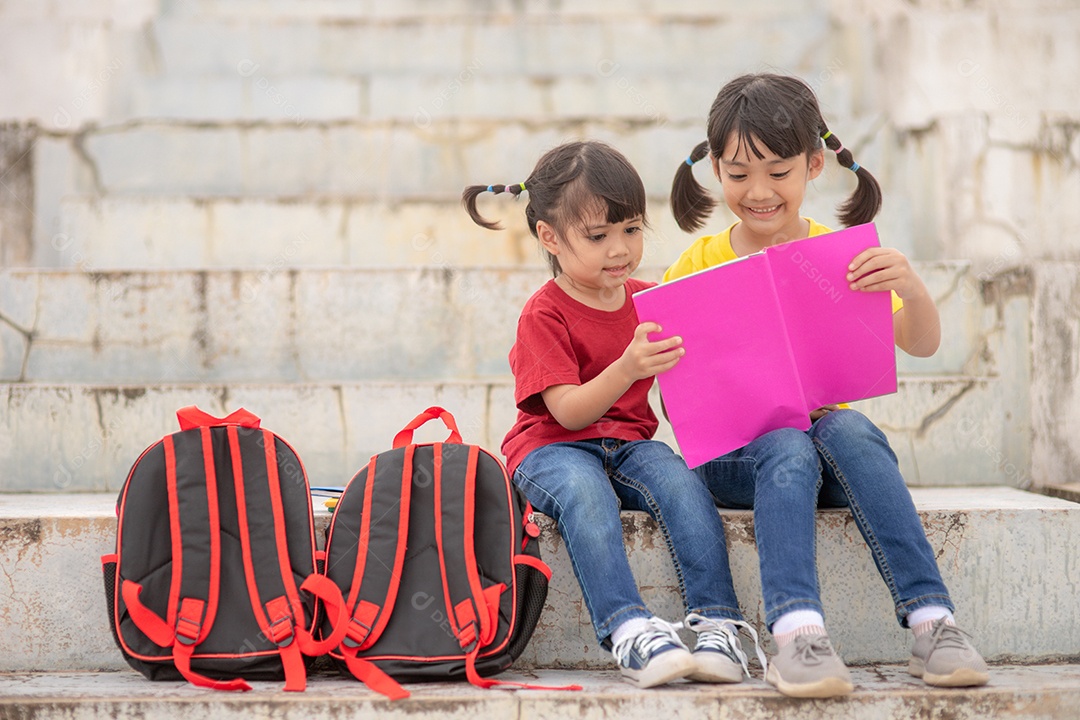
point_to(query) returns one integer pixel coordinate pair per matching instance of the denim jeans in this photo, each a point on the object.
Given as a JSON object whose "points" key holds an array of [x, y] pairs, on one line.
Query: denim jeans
{"points": [[843, 460], [583, 485]]}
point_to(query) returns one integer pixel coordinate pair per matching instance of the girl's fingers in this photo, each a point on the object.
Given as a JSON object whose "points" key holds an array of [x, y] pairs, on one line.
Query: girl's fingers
{"points": [[667, 355], [667, 365], [874, 283], [668, 344], [865, 255], [643, 330], [873, 264]]}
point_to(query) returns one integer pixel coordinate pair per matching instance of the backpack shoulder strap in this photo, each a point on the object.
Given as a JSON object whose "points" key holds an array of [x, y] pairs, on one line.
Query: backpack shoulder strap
{"points": [[473, 610], [268, 570], [384, 528], [455, 518], [195, 531]]}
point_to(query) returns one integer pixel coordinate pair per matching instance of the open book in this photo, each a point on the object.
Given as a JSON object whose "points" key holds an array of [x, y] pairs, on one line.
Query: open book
{"points": [[770, 337]]}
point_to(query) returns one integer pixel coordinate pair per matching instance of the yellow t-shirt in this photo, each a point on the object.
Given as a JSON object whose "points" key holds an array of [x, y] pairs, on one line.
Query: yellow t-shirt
{"points": [[715, 249]]}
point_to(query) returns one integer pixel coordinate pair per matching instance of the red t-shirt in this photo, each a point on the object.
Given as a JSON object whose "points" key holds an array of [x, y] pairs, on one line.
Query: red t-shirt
{"points": [[563, 342]]}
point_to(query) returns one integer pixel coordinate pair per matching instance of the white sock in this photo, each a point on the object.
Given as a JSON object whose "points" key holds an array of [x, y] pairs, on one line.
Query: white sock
{"points": [[922, 619], [630, 628], [797, 622], [795, 619]]}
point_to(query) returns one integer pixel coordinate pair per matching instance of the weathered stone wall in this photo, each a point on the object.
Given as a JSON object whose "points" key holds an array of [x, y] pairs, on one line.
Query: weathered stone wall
{"points": [[321, 109], [275, 135]]}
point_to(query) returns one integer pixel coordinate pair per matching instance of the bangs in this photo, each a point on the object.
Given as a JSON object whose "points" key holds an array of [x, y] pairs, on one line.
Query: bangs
{"points": [[608, 187], [760, 110]]}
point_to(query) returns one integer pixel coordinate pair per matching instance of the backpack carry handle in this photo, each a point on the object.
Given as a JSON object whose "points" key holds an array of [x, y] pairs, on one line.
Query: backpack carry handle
{"points": [[405, 437], [191, 417]]}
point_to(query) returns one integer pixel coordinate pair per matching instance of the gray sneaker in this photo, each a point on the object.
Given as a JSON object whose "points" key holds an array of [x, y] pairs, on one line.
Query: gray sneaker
{"points": [[944, 657], [808, 667]]}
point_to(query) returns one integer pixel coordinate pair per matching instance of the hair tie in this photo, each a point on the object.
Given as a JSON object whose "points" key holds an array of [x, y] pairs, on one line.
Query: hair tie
{"points": [[508, 188], [839, 149], [690, 161], [854, 166], [491, 188], [522, 186], [827, 135]]}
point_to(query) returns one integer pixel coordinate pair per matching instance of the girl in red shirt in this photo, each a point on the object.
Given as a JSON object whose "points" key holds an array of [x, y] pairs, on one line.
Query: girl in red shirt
{"points": [[581, 448]]}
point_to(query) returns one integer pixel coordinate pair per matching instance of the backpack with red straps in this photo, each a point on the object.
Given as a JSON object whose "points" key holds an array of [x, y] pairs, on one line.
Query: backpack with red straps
{"points": [[436, 555], [216, 578]]}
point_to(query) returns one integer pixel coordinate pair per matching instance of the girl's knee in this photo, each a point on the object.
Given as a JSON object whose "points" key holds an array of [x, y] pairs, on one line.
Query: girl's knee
{"points": [[787, 447], [849, 422], [787, 441], [789, 465], [846, 431]]}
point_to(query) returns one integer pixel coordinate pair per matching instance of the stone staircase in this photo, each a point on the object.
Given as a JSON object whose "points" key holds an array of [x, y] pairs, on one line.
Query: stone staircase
{"points": [[227, 203]]}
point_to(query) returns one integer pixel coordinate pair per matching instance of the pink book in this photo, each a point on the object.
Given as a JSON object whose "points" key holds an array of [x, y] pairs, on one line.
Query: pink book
{"points": [[770, 337]]}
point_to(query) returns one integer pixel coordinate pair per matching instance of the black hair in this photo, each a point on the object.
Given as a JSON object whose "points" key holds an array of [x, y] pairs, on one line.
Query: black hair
{"points": [[567, 183], [782, 113]]}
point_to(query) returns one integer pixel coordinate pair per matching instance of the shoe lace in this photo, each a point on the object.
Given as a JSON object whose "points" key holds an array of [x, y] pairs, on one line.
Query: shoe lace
{"points": [[810, 649], [722, 635], [944, 635], [656, 634]]}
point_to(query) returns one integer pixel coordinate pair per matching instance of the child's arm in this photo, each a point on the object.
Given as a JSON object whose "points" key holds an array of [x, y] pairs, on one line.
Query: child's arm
{"points": [[916, 326], [578, 406]]}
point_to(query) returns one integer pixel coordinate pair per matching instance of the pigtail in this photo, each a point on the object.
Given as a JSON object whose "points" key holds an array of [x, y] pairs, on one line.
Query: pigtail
{"points": [[468, 201], [566, 183], [690, 202], [865, 202]]}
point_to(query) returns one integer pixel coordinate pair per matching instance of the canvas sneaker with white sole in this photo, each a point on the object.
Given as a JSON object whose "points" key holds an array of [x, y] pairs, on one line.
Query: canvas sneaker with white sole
{"points": [[654, 656], [718, 651]]}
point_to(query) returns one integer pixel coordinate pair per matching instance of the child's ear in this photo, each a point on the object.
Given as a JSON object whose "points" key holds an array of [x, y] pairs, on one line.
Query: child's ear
{"points": [[547, 236], [715, 161], [817, 163]]}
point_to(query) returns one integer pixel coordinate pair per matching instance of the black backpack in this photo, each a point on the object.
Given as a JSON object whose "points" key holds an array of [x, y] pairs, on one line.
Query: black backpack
{"points": [[216, 574], [436, 555]]}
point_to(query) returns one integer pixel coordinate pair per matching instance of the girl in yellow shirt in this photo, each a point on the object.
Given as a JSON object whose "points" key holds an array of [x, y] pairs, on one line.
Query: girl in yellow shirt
{"points": [[766, 141]]}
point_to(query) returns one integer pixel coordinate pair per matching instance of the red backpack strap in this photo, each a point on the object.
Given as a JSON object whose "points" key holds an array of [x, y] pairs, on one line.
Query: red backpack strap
{"points": [[264, 543], [384, 528], [473, 610], [405, 437], [195, 531], [191, 417], [455, 505]]}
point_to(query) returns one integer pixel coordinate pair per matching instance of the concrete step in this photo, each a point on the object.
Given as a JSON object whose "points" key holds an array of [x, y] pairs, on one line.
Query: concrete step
{"points": [[331, 61], [393, 161], [137, 233], [1040, 692], [72, 437], [385, 159], [371, 158], [1006, 556], [280, 323]]}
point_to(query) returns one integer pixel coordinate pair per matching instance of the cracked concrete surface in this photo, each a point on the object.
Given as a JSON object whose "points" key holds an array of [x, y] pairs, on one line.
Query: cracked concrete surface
{"points": [[993, 545], [881, 693]]}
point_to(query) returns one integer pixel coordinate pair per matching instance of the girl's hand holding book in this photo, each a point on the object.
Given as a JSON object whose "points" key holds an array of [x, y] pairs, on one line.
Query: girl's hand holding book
{"points": [[879, 269], [644, 358]]}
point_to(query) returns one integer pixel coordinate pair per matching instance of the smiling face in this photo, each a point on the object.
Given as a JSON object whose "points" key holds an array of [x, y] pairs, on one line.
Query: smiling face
{"points": [[596, 256], [764, 192]]}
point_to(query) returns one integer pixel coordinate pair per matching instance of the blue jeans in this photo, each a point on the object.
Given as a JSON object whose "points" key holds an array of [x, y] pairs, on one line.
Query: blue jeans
{"points": [[843, 460], [583, 485]]}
